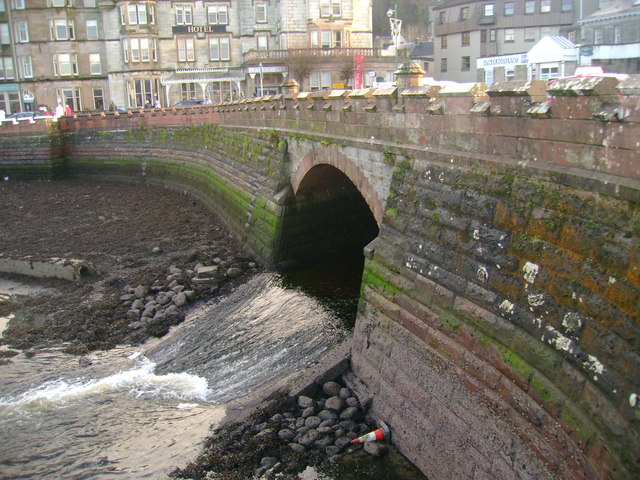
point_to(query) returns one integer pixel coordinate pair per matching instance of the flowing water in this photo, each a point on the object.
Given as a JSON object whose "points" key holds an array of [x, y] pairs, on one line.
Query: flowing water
{"points": [[138, 412]]}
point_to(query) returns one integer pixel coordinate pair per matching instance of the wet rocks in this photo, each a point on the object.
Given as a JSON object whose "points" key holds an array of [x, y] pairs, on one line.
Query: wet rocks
{"points": [[153, 309]]}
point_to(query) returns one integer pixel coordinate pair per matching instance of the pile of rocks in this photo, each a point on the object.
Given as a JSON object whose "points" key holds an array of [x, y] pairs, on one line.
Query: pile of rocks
{"points": [[153, 309], [327, 424]]}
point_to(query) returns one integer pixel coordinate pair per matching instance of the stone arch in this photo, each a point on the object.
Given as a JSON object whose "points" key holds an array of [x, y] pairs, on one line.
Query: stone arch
{"points": [[333, 156]]}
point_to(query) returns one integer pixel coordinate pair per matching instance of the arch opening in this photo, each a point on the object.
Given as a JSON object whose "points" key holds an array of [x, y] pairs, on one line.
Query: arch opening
{"points": [[326, 218], [326, 225]]}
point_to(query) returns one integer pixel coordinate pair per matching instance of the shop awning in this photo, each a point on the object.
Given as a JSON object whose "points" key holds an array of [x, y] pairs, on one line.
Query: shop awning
{"points": [[202, 76]]}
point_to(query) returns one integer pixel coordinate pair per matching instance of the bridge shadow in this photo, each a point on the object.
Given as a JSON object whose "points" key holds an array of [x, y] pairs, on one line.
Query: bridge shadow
{"points": [[326, 225]]}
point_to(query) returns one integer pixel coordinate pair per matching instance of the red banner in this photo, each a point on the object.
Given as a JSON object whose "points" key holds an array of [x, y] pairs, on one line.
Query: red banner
{"points": [[358, 70]]}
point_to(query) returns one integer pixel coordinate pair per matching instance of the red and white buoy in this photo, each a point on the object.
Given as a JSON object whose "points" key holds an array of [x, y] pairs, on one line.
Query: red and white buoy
{"points": [[376, 435]]}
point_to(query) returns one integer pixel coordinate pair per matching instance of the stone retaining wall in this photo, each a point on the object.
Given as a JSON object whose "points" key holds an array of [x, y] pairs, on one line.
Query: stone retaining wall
{"points": [[498, 330]]}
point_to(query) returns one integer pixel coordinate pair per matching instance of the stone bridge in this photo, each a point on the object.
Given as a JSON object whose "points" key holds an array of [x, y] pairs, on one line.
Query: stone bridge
{"points": [[499, 324]]}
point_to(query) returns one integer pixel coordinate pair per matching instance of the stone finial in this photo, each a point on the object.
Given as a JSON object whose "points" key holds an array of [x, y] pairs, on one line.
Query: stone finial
{"points": [[409, 75], [290, 87]]}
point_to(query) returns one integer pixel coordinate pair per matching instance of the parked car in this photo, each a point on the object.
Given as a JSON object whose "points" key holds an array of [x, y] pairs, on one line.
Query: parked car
{"points": [[188, 103], [20, 115]]}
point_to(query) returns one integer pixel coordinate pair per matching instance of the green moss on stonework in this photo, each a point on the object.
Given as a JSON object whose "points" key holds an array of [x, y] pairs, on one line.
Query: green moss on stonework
{"points": [[372, 277]]}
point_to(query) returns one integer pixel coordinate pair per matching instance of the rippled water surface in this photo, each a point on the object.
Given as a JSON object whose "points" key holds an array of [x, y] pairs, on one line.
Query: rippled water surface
{"points": [[138, 412]]}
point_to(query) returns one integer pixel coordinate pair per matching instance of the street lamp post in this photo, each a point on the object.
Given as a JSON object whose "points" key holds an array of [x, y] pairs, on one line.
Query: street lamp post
{"points": [[396, 25]]}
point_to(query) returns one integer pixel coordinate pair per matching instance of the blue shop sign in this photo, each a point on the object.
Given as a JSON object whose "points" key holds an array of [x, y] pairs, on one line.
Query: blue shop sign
{"points": [[7, 87]]}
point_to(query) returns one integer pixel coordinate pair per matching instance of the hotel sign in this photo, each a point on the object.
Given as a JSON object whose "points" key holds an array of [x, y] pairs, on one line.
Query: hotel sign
{"points": [[199, 29]]}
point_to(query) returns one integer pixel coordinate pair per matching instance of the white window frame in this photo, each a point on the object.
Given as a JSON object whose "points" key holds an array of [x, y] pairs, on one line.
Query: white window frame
{"points": [[92, 30], [509, 35], [337, 39], [186, 49], [135, 50], [545, 6], [617, 34], [325, 39], [26, 64], [132, 14], [219, 49], [598, 36], [325, 8], [529, 7], [145, 50], [94, 91], [7, 71], [22, 32], [2, 6], [488, 10], [58, 3], [314, 39], [261, 12], [262, 41], [62, 29], [18, 4], [5, 36], [509, 8], [95, 64], [217, 14], [125, 50], [67, 62], [336, 8], [184, 15], [320, 81]]}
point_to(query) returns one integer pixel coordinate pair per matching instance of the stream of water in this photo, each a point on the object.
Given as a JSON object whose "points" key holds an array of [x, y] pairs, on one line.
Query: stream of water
{"points": [[139, 412]]}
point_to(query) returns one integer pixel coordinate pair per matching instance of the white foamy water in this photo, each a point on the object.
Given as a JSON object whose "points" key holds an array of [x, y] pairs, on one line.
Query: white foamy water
{"points": [[138, 381], [138, 413]]}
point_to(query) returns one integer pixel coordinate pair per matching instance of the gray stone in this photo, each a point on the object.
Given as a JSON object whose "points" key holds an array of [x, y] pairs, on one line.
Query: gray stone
{"points": [[312, 422], [174, 269], [133, 314], [296, 447], [162, 298], [137, 304], [156, 250], [127, 297], [299, 422], [331, 450], [286, 434], [309, 437], [307, 412], [344, 393], [304, 401], [268, 462], [207, 271], [342, 442], [348, 425], [323, 442], [334, 403], [376, 449], [180, 299], [234, 272], [140, 291], [352, 402], [327, 415], [277, 418], [324, 430], [331, 389], [190, 294], [328, 423], [348, 413], [178, 288]]}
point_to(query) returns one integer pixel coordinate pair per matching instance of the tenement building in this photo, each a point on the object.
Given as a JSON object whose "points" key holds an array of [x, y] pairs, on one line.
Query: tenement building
{"points": [[100, 54]]}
